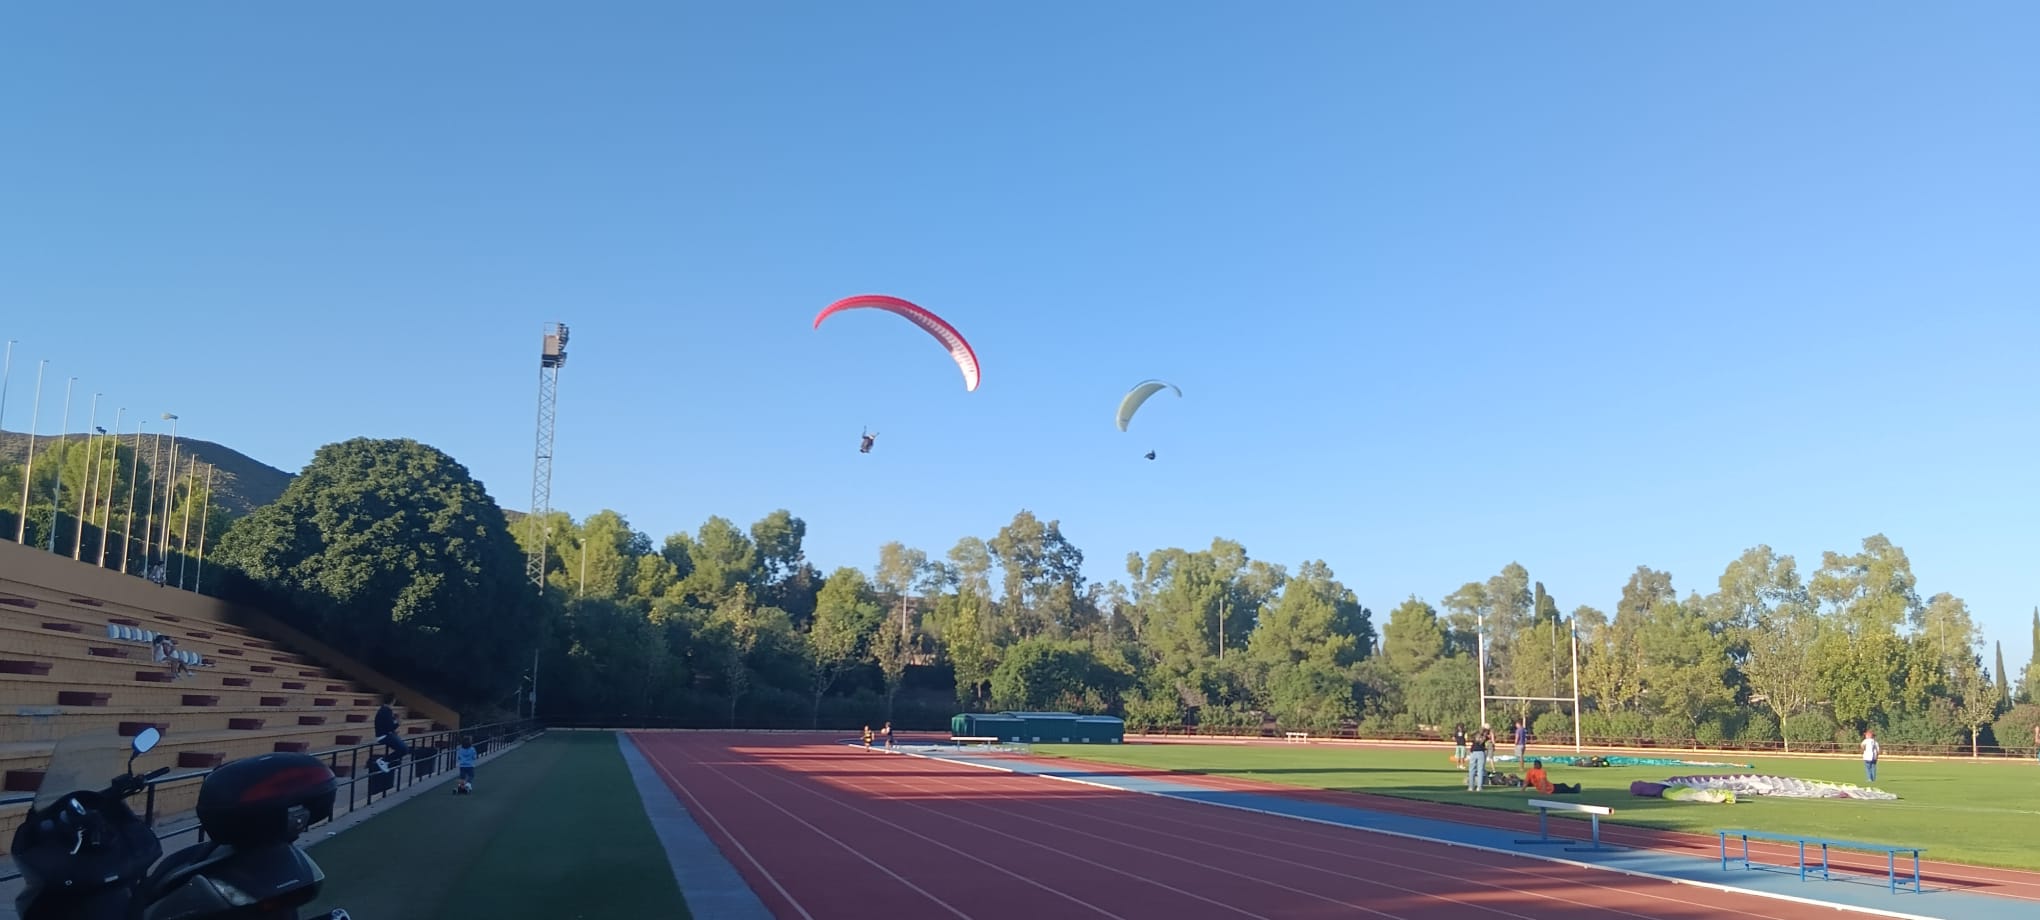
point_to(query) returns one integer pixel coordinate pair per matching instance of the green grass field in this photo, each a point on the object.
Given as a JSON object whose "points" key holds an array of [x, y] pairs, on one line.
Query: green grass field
{"points": [[554, 831], [1982, 813]]}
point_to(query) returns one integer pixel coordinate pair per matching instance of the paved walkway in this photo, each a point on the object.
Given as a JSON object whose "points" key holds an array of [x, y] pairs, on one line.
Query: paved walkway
{"points": [[1854, 892]]}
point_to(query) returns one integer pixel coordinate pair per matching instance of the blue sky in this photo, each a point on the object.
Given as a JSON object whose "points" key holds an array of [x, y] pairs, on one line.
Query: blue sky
{"points": [[1582, 286]]}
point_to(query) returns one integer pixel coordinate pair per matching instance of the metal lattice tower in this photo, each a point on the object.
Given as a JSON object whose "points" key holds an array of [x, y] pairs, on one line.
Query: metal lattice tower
{"points": [[551, 358]]}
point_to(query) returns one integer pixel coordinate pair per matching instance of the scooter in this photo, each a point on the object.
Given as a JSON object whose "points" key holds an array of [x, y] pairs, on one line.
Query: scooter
{"points": [[84, 855]]}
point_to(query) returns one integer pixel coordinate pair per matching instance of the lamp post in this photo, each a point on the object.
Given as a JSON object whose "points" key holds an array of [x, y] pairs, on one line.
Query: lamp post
{"points": [[28, 469], [85, 479]]}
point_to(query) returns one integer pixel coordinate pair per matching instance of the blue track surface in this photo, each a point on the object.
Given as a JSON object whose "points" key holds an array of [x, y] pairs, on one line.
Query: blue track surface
{"points": [[1854, 892]]}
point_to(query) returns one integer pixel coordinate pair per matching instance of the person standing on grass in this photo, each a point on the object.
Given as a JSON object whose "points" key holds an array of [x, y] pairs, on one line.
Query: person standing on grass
{"points": [[1459, 742], [1522, 738], [2036, 741], [1476, 759], [1870, 752]]}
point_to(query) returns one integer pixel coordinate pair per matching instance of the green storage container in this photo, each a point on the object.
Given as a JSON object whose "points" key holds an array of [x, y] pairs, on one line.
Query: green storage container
{"points": [[1048, 727], [986, 725], [1100, 730]]}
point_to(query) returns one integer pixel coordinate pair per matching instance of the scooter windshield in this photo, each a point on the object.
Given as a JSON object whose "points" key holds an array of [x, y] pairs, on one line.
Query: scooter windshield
{"points": [[86, 762]]}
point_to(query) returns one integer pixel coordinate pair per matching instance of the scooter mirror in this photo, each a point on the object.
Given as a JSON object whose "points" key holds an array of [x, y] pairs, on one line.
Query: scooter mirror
{"points": [[146, 739]]}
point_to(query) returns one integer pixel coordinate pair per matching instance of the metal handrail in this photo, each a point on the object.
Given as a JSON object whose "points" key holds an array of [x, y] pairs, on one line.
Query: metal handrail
{"points": [[441, 759]]}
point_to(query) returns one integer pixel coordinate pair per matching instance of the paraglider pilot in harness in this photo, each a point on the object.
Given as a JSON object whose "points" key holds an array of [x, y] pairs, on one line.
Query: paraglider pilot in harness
{"points": [[864, 444], [1150, 455]]}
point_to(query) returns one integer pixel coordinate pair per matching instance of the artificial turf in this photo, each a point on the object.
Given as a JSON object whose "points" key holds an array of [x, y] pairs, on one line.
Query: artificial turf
{"points": [[553, 831]]}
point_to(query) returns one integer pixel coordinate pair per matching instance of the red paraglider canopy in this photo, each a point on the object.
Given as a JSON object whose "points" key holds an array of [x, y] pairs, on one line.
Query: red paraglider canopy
{"points": [[959, 350]]}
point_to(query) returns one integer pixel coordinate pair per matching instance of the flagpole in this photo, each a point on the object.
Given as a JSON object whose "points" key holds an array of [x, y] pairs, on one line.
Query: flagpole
{"points": [[28, 469], [112, 483], [127, 524], [84, 479], [57, 490], [198, 580]]}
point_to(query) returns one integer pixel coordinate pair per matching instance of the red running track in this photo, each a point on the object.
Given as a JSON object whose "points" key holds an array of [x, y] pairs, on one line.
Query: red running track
{"points": [[2005, 883], [826, 832]]}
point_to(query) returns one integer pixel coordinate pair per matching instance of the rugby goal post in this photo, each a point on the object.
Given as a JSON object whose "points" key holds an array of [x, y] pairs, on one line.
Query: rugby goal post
{"points": [[1572, 628]]}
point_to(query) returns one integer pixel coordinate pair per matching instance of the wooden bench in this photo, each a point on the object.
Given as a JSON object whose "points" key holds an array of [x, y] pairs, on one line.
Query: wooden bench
{"points": [[1296, 736], [1890, 853], [1593, 812]]}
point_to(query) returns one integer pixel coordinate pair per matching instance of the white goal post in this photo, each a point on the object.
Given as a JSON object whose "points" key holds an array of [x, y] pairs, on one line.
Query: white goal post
{"points": [[1572, 628]]}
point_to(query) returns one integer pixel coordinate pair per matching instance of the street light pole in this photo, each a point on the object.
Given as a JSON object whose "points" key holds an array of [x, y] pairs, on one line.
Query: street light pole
{"points": [[28, 469]]}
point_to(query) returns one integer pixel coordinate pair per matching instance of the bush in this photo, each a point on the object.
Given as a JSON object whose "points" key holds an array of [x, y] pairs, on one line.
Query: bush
{"points": [[1671, 729], [1146, 711], [2014, 729], [1711, 732], [1622, 725], [1757, 728], [1550, 727], [1813, 727]]}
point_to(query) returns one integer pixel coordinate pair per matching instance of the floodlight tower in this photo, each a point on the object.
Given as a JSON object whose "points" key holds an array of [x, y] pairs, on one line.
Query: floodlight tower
{"points": [[551, 357]]}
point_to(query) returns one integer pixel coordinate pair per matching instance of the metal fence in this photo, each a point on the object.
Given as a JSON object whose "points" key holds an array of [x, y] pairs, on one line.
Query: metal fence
{"points": [[432, 754]]}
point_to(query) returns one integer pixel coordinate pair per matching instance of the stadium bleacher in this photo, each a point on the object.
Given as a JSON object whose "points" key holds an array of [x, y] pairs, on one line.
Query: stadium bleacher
{"points": [[76, 660]]}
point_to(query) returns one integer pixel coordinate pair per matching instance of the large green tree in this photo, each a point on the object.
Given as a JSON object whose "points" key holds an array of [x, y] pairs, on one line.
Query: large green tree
{"points": [[393, 552]]}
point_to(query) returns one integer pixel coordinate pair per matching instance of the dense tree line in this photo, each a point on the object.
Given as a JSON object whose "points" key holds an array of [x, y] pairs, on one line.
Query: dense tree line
{"points": [[390, 549]]}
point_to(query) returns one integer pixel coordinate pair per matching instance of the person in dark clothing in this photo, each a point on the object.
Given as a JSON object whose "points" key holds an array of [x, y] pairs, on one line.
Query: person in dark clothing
{"points": [[386, 732]]}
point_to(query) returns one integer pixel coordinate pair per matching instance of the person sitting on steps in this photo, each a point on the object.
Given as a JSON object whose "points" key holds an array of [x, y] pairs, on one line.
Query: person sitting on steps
{"points": [[386, 733]]}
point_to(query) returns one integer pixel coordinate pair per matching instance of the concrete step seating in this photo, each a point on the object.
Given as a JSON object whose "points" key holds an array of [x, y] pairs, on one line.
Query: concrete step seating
{"points": [[72, 664]]}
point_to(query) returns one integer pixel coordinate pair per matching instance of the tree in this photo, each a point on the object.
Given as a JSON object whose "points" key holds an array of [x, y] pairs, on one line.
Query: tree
{"points": [[1949, 632], [2003, 686], [2031, 678], [1318, 622], [891, 649], [1776, 667], [1981, 697], [786, 580], [390, 550], [1413, 638], [1684, 663], [720, 558], [844, 620]]}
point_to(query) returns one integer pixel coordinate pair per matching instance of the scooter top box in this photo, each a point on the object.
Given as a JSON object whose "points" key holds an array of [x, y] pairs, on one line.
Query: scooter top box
{"points": [[249, 802]]}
